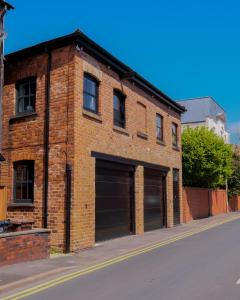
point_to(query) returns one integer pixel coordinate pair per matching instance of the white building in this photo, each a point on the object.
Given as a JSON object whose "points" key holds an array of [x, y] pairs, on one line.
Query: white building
{"points": [[205, 111]]}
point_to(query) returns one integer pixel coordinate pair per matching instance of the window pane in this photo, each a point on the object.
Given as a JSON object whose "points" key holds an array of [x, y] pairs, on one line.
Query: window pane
{"points": [[31, 104], [87, 85], [173, 128], [26, 96], [26, 99], [119, 110], [26, 89], [20, 105], [90, 102], [33, 88], [159, 121], [30, 190], [117, 118], [116, 103], [90, 86], [159, 124], [159, 133], [24, 171], [24, 191], [174, 134], [18, 193], [23, 181], [90, 93]]}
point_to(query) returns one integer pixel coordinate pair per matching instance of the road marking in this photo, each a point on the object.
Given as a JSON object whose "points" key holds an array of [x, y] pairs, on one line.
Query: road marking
{"points": [[238, 282], [76, 274]]}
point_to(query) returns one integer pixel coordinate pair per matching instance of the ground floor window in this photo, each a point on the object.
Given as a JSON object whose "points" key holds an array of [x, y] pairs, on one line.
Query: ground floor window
{"points": [[23, 181]]}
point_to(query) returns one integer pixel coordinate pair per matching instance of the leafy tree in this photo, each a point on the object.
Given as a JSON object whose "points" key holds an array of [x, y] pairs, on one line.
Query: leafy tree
{"points": [[234, 180], [207, 160]]}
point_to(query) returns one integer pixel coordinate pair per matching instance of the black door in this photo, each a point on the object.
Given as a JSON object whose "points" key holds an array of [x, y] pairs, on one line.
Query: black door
{"points": [[154, 199], [176, 204], [114, 200]]}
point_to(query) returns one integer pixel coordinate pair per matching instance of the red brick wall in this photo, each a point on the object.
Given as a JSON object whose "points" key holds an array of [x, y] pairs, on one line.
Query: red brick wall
{"points": [[195, 204], [234, 203], [24, 246], [218, 202], [200, 203]]}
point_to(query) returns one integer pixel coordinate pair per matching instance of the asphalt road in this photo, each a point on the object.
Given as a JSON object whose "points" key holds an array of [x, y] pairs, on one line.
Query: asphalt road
{"points": [[203, 266]]}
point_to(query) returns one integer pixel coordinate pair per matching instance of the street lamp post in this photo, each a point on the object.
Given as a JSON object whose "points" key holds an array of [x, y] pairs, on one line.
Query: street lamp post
{"points": [[4, 7]]}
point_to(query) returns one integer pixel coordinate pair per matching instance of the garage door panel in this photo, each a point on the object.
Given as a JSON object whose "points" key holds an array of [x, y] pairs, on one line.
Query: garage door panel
{"points": [[114, 186], [112, 189], [113, 176], [152, 201], [153, 214], [153, 190], [109, 233], [108, 203], [114, 217]]}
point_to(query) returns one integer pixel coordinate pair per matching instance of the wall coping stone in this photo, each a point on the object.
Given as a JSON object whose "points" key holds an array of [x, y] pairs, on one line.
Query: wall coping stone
{"points": [[26, 232]]}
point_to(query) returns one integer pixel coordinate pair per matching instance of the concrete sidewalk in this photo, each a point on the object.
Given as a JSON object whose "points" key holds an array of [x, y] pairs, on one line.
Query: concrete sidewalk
{"points": [[17, 276]]}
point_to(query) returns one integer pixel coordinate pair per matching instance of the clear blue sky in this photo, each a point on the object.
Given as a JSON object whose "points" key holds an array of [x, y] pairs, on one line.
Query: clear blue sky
{"points": [[187, 48]]}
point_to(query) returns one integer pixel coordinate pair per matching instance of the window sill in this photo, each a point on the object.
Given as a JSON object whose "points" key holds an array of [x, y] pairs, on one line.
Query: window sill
{"points": [[160, 142], [121, 130], [21, 117], [142, 135], [176, 148], [92, 115], [12, 204]]}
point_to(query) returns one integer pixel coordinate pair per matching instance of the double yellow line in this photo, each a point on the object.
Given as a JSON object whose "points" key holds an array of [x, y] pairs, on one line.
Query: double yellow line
{"points": [[62, 279]]}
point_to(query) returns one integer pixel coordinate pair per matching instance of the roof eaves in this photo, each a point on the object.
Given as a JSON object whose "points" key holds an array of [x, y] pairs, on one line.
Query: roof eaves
{"points": [[126, 71], [159, 94], [40, 48], [93, 48]]}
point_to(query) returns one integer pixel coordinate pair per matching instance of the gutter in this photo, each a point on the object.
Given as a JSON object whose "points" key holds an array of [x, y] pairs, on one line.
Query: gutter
{"points": [[46, 138], [82, 41]]}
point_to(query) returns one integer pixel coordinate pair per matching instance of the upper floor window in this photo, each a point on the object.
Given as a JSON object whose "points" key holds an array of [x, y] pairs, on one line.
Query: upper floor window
{"points": [[159, 127], [26, 95], [90, 93], [119, 109], [23, 181], [174, 134]]}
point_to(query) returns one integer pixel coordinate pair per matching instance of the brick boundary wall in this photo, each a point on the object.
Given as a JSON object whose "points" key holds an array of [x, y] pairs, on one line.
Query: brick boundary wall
{"points": [[24, 246], [195, 204], [234, 203], [218, 202], [201, 203]]}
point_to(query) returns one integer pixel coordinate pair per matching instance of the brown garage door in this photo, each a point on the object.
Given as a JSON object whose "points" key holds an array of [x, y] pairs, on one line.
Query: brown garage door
{"points": [[114, 200], [154, 199]]}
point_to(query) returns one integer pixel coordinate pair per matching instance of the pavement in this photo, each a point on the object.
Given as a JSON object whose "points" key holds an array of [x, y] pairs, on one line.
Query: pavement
{"points": [[198, 260]]}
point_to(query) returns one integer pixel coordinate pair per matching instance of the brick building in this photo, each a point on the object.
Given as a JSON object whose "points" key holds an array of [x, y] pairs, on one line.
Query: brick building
{"points": [[92, 149]]}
